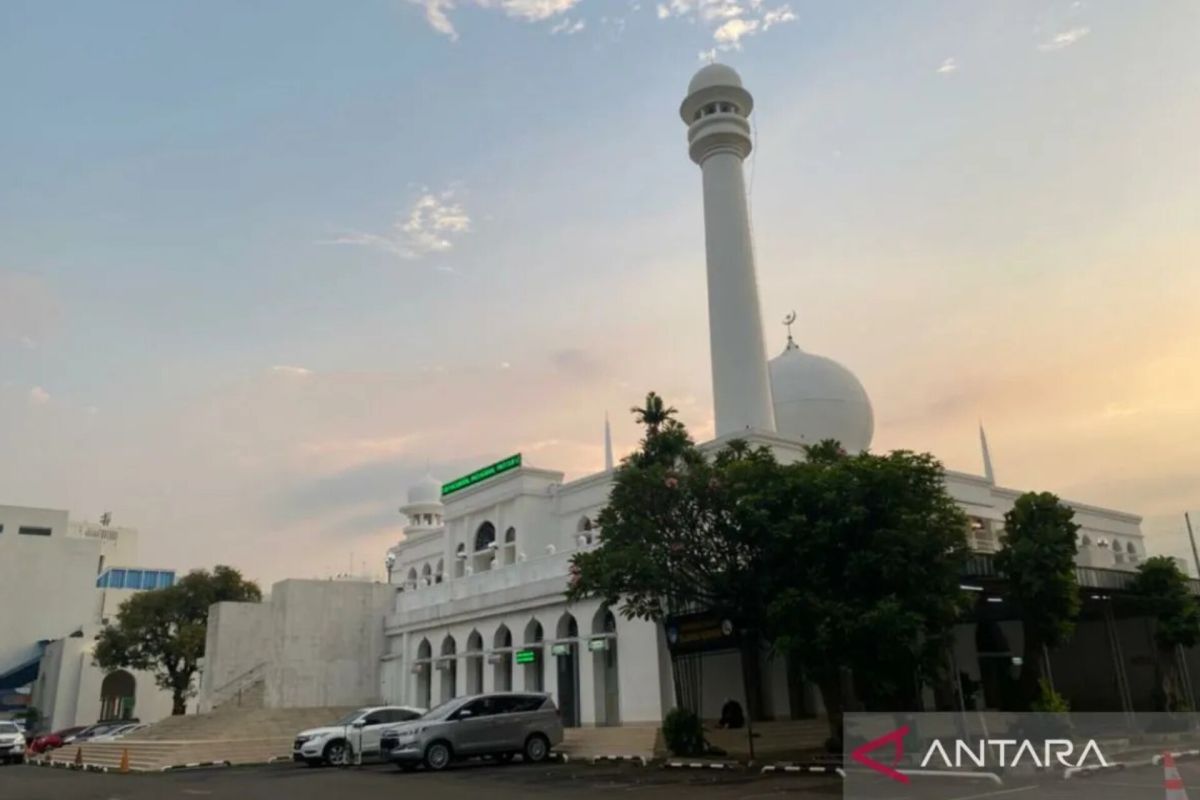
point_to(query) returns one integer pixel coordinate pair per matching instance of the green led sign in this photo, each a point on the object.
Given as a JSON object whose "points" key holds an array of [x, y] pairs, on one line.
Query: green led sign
{"points": [[525, 656], [490, 471]]}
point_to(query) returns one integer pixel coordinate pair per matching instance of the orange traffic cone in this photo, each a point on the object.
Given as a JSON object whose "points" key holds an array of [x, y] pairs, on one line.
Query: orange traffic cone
{"points": [[79, 756], [1171, 780], [124, 761]]}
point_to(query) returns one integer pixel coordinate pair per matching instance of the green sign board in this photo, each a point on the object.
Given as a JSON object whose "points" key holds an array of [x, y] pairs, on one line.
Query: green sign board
{"points": [[525, 656], [491, 470]]}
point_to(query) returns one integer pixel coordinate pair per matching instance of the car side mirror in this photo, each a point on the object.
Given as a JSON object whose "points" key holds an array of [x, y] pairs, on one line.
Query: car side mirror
{"points": [[358, 723]]}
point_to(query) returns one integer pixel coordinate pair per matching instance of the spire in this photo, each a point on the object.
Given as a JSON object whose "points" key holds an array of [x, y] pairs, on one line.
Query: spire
{"points": [[987, 456], [608, 456]]}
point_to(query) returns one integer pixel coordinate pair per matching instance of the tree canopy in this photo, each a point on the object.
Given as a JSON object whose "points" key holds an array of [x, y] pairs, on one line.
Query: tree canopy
{"points": [[1037, 558], [163, 630], [1160, 590], [843, 562]]}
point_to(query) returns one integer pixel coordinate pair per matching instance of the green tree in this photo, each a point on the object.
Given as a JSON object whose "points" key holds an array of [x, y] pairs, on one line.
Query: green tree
{"points": [[867, 556], [1037, 558], [1161, 590], [682, 532], [162, 631]]}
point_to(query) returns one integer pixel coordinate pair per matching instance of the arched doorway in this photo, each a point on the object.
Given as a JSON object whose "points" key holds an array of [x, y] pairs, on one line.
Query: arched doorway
{"points": [[118, 691], [533, 667], [474, 663], [448, 666], [606, 683], [422, 667], [502, 659], [566, 661]]}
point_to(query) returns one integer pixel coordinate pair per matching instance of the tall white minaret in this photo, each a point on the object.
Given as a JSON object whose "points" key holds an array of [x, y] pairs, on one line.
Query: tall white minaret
{"points": [[608, 456], [716, 112]]}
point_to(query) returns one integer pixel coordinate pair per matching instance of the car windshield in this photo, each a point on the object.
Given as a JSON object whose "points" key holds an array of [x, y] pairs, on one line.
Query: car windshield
{"points": [[8, 727], [442, 711], [353, 715]]}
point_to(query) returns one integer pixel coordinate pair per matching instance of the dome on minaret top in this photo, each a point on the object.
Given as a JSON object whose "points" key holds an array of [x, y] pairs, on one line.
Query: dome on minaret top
{"points": [[817, 398], [426, 490], [714, 75]]}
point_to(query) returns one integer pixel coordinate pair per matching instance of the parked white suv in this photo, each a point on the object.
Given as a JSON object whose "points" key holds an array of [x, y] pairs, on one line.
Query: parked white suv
{"points": [[357, 732], [12, 742]]}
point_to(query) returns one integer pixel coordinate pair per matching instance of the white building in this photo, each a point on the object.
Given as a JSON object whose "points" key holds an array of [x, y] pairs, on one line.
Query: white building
{"points": [[60, 581], [477, 598]]}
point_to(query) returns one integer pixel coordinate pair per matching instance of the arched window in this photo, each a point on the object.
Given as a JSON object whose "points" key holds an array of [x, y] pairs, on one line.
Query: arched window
{"points": [[484, 536], [440, 572], [426, 575], [502, 638], [1086, 541], [510, 536], [424, 650], [412, 576], [1129, 548], [568, 628], [449, 648], [584, 525]]}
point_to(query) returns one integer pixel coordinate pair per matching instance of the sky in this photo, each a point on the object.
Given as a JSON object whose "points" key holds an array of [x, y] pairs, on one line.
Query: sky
{"points": [[264, 264]]}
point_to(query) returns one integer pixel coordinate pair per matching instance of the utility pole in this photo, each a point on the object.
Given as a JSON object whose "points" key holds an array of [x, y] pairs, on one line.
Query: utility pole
{"points": [[1191, 536]]}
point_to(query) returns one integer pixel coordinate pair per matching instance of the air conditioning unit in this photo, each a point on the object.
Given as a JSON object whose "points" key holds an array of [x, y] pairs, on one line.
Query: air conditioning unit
{"points": [[419, 669], [498, 658], [445, 663]]}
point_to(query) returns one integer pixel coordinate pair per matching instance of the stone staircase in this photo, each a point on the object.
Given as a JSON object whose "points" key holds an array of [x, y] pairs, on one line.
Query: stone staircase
{"points": [[628, 740], [773, 741], [237, 735]]}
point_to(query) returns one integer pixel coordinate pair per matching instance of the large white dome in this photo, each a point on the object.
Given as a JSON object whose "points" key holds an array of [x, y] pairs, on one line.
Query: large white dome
{"points": [[817, 398]]}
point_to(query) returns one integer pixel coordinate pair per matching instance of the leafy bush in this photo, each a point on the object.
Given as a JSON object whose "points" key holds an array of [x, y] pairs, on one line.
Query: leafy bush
{"points": [[1049, 701], [683, 733]]}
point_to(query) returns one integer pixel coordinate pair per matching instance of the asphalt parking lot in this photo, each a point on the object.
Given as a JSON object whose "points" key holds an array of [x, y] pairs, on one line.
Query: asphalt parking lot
{"points": [[468, 782], [494, 782]]}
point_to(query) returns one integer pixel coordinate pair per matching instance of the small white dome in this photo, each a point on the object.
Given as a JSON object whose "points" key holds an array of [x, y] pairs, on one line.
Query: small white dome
{"points": [[714, 75], [426, 490], [817, 398]]}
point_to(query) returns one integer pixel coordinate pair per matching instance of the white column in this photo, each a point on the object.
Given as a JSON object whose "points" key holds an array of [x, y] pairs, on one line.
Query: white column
{"points": [[741, 383], [587, 682]]}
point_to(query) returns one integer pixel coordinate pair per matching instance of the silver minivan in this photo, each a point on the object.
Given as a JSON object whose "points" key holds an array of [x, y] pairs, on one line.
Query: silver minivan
{"points": [[500, 725]]}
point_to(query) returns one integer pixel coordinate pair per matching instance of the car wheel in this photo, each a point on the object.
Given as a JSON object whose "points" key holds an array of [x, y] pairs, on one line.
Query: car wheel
{"points": [[437, 756], [337, 753], [537, 748]]}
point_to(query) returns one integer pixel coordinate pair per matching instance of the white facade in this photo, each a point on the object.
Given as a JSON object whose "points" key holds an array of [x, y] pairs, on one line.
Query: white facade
{"points": [[55, 596]]}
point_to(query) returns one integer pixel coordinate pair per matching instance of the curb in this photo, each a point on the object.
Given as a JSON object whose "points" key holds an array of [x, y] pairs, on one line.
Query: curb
{"points": [[730, 765], [639, 760], [196, 765], [1180, 755], [1083, 772], [809, 769]]}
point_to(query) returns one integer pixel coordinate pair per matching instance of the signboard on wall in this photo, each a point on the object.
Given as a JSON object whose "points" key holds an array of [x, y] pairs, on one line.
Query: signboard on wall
{"points": [[490, 471], [525, 656], [701, 632]]}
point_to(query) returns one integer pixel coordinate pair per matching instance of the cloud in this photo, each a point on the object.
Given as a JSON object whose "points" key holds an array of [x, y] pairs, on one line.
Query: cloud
{"points": [[948, 66], [432, 225], [438, 17], [731, 21], [1064, 39], [569, 27], [290, 371], [38, 396]]}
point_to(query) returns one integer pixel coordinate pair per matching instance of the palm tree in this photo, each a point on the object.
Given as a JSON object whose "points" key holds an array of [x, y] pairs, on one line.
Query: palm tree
{"points": [[655, 413]]}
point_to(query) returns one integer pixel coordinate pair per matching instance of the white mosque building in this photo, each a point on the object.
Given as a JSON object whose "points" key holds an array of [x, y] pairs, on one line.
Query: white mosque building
{"points": [[475, 600]]}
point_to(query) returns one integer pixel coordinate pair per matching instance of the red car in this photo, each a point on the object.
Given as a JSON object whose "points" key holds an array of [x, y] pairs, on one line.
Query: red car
{"points": [[51, 741]]}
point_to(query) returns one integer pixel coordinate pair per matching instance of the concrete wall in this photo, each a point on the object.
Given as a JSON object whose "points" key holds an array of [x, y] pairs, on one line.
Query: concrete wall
{"points": [[235, 650], [47, 583], [326, 643]]}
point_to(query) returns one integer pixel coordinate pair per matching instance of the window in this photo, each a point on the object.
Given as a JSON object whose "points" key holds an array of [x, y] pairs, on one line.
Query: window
{"points": [[133, 579], [116, 579], [29, 530]]}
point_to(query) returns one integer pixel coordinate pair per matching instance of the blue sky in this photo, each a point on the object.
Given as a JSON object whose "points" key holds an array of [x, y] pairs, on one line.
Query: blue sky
{"points": [[263, 263]]}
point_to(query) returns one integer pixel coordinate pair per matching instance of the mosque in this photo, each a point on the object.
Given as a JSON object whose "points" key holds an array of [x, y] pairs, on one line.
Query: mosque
{"points": [[475, 594]]}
